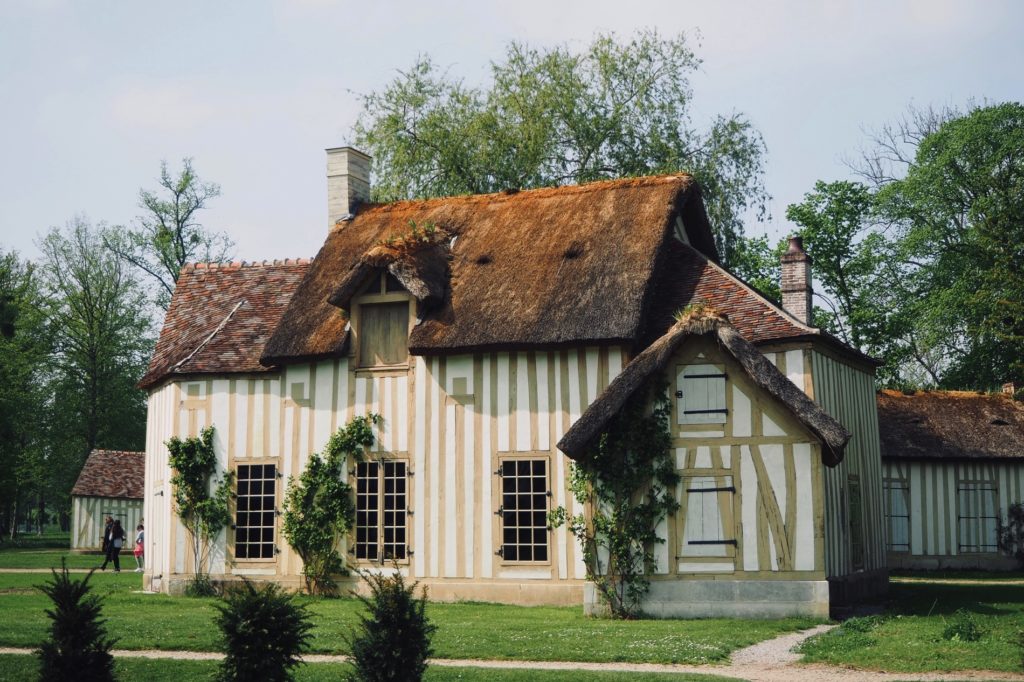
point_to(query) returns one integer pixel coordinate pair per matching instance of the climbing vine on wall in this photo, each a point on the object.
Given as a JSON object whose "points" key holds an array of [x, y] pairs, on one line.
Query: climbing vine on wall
{"points": [[203, 512], [318, 506], [626, 483]]}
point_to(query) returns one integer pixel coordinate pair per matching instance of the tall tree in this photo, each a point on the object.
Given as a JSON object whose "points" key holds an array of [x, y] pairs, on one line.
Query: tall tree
{"points": [[101, 330], [168, 234], [24, 350], [552, 117]]}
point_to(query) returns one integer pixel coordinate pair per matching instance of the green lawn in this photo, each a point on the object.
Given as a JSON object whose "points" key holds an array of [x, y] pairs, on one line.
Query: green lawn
{"points": [[909, 636], [50, 558], [465, 630], [19, 668]]}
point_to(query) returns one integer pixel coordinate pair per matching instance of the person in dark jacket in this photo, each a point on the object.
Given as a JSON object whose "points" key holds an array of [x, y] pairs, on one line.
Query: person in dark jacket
{"points": [[106, 542], [117, 538]]}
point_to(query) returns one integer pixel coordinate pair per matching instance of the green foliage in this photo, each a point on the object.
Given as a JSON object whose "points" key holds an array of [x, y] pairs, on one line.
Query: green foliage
{"points": [[963, 627], [626, 482], [78, 647], [554, 116], [393, 641], [318, 507], [264, 631], [168, 234], [203, 513], [1010, 535], [924, 266]]}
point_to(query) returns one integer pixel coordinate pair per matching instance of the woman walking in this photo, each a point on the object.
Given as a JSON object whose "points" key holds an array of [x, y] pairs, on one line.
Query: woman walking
{"points": [[107, 527], [117, 537]]}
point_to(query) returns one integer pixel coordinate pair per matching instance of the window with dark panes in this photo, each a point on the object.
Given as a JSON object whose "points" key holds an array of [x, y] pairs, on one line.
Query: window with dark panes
{"points": [[255, 515], [381, 510], [524, 510], [978, 515], [896, 494]]}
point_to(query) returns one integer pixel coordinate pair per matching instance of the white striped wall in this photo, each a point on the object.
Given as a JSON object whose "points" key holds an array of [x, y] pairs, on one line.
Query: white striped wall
{"points": [[848, 394], [935, 507], [452, 417], [88, 516]]}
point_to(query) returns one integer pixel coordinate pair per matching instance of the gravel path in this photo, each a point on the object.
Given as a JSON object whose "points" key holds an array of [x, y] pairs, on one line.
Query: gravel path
{"points": [[769, 661]]}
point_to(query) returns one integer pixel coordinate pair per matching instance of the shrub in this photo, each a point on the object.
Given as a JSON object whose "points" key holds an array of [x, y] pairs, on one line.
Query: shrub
{"points": [[264, 633], [200, 586], [393, 642], [78, 647], [963, 627]]}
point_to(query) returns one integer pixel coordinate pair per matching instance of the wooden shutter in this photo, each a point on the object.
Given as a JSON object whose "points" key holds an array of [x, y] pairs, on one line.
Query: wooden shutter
{"points": [[383, 334], [700, 392], [708, 528]]}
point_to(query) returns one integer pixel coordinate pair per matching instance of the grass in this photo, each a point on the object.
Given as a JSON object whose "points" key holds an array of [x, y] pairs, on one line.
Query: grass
{"points": [[17, 668], [21, 557], [465, 630], [908, 637]]}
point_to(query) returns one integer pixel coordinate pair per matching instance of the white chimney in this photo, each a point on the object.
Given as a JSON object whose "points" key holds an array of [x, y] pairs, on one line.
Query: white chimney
{"points": [[796, 280], [348, 182]]}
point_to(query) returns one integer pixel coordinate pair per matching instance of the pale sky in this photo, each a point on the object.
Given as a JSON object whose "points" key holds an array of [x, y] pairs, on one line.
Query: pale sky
{"points": [[95, 94]]}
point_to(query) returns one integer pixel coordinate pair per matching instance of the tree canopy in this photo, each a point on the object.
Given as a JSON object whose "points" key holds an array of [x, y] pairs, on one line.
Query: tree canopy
{"points": [[552, 116]]}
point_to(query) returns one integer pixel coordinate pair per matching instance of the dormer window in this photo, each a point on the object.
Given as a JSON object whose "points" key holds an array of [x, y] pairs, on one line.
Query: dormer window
{"points": [[382, 323]]}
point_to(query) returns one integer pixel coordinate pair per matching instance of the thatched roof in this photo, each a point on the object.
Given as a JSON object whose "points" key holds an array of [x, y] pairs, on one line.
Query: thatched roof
{"points": [[112, 473], [422, 268], [952, 425], [699, 322], [535, 268], [221, 316]]}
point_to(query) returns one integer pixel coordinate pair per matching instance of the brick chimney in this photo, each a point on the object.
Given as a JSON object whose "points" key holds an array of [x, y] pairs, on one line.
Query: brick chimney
{"points": [[348, 182], [796, 280]]}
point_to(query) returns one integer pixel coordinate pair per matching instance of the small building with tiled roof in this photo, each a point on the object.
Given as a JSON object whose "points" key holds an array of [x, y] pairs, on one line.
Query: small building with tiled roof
{"points": [[496, 334], [111, 483], [953, 463]]}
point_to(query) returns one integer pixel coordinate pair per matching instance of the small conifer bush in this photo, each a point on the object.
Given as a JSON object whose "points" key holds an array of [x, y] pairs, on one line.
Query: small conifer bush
{"points": [[264, 634], [78, 647], [393, 640]]}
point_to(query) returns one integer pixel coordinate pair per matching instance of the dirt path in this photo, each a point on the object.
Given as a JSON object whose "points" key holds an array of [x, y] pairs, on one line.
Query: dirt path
{"points": [[769, 661]]}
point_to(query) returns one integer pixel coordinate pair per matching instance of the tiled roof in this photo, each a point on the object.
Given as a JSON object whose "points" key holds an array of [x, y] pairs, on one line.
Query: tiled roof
{"points": [[221, 316], [950, 425], [112, 473]]}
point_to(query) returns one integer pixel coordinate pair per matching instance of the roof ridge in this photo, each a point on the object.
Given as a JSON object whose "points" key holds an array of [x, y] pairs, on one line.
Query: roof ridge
{"points": [[239, 264], [176, 366], [116, 452], [506, 195], [946, 393]]}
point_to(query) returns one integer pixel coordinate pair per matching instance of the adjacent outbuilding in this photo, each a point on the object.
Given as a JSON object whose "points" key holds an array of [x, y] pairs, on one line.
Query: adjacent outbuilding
{"points": [[953, 463], [111, 484]]}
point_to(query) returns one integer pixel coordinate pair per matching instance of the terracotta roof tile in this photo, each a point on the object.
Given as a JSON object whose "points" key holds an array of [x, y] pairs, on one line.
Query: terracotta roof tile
{"points": [[221, 316], [112, 473]]}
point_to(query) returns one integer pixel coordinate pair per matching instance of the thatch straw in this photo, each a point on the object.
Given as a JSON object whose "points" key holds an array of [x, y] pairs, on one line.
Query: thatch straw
{"points": [[698, 321], [953, 425], [537, 268]]}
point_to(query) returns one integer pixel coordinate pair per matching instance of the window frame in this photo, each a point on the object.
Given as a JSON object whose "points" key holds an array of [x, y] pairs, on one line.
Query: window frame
{"points": [[727, 514], [888, 486], [275, 550], [990, 484], [399, 458], [712, 416], [375, 292], [499, 524]]}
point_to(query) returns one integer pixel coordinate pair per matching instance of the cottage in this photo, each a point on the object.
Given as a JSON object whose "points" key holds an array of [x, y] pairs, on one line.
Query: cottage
{"points": [[110, 484], [495, 334], [953, 463]]}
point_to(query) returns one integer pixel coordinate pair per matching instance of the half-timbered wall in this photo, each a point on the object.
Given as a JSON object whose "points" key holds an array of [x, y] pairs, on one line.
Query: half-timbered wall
{"points": [[88, 516], [943, 514], [454, 419], [764, 466]]}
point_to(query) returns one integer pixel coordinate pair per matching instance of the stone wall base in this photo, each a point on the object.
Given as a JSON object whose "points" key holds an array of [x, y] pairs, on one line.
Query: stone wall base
{"points": [[958, 562], [759, 599]]}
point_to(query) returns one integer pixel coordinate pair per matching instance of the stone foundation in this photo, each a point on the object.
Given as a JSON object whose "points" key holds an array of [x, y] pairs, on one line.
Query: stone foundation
{"points": [[761, 599]]}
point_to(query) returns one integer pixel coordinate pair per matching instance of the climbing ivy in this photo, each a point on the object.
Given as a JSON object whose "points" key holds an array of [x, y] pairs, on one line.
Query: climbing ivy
{"points": [[318, 507], [626, 483], [203, 513]]}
